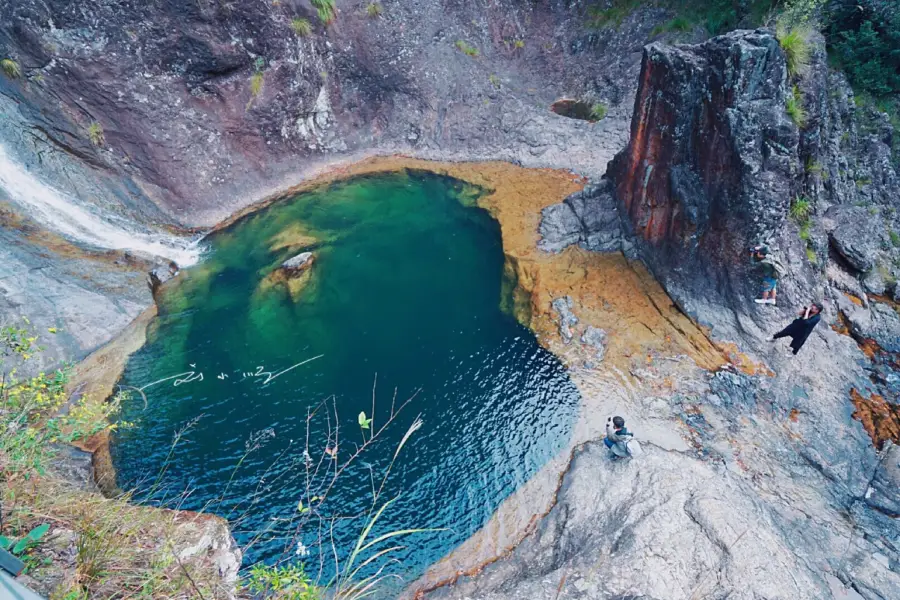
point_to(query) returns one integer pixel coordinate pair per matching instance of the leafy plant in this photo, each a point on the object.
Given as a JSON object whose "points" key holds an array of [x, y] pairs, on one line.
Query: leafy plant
{"points": [[374, 10], [95, 134], [811, 256], [28, 541], [598, 112], [10, 68], [794, 42], [895, 238], [325, 10], [495, 81], [467, 48], [795, 109], [519, 44], [302, 27], [285, 582]]}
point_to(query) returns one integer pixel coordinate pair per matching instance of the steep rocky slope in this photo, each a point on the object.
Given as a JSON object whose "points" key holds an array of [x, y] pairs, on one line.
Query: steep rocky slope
{"points": [[165, 114], [782, 491]]}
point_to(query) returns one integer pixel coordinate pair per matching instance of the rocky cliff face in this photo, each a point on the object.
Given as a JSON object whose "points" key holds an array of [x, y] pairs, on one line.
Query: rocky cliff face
{"points": [[166, 114], [790, 471]]}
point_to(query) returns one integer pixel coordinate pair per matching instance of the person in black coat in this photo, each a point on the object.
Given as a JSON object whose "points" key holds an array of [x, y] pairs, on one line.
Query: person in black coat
{"points": [[801, 327]]}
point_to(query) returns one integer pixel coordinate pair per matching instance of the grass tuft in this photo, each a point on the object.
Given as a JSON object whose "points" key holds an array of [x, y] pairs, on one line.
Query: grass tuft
{"points": [[10, 68], [679, 24], [256, 83], [795, 109], [801, 209], [95, 133], [599, 112], [795, 44], [302, 27], [374, 10], [467, 48], [325, 10]]}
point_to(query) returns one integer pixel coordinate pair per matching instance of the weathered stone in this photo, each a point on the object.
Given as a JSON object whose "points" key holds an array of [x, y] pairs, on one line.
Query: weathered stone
{"points": [[567, 319], [560, 227], [160, 275], [854, 234], [596, 338]]}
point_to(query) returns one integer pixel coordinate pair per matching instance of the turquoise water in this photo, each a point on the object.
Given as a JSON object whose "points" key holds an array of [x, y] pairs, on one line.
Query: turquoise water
{"points": [[406, 287]]}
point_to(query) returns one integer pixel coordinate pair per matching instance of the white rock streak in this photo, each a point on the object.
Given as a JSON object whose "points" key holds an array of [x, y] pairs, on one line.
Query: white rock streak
{"points": [[61, 213]]}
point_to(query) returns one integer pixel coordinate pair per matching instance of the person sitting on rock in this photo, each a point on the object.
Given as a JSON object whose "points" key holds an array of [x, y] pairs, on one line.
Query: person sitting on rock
{"points": [[771, 271], [801, 327], [617, 437]]}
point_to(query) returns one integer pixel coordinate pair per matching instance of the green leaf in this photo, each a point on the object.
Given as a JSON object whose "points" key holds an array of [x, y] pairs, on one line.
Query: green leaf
{"points": [[5, 542], [21, 545], [363, 421]]}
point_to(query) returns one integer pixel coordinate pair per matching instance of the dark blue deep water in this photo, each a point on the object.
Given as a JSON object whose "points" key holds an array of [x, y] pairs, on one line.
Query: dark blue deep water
{"points": [[406, 286]]}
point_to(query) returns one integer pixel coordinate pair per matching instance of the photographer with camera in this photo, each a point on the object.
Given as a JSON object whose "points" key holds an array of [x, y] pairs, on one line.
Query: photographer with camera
{"points": [[618, 438]]}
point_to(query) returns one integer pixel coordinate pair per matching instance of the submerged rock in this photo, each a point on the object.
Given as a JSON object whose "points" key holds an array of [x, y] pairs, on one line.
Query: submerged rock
{"points": [[295, 266]]}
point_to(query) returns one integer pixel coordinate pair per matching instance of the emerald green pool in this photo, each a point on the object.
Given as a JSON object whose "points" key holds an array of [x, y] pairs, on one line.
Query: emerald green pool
{"points": [[407, 285]]}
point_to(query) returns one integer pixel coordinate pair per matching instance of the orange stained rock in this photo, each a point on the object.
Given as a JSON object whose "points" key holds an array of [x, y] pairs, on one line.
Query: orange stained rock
{"points": [[880, 418]]}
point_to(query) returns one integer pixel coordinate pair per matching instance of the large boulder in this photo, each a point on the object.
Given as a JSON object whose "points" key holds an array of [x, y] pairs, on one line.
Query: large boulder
{"points": [[711, 165], [589, 218], [854, 234]]}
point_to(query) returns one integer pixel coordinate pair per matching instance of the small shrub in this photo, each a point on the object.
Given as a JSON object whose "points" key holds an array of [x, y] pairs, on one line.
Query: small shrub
{"points": [[374, 10], [10, 68], [598, 112], [811, 256], [256, 83], [495, 81], [895, 238], [325, 10], [467, 48], [794, 108], [95, 133], [795, 44], [801, 209], [301, 27], [814, 167], [519, 44]]}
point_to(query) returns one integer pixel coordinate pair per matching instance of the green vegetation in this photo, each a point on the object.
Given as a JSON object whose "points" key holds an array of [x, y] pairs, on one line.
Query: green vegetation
{"points": [[325, 10], [302, 27], [801, 209], [495, 81], [374, 9], [467, 48], [289, 582], [519, 44], [895, 238], [10, 68], [863, 38], [256, 83], [679, 24], [795, 109], [612, 15], [598, 112], [794, 42], [95, 133], [801, 213]]}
